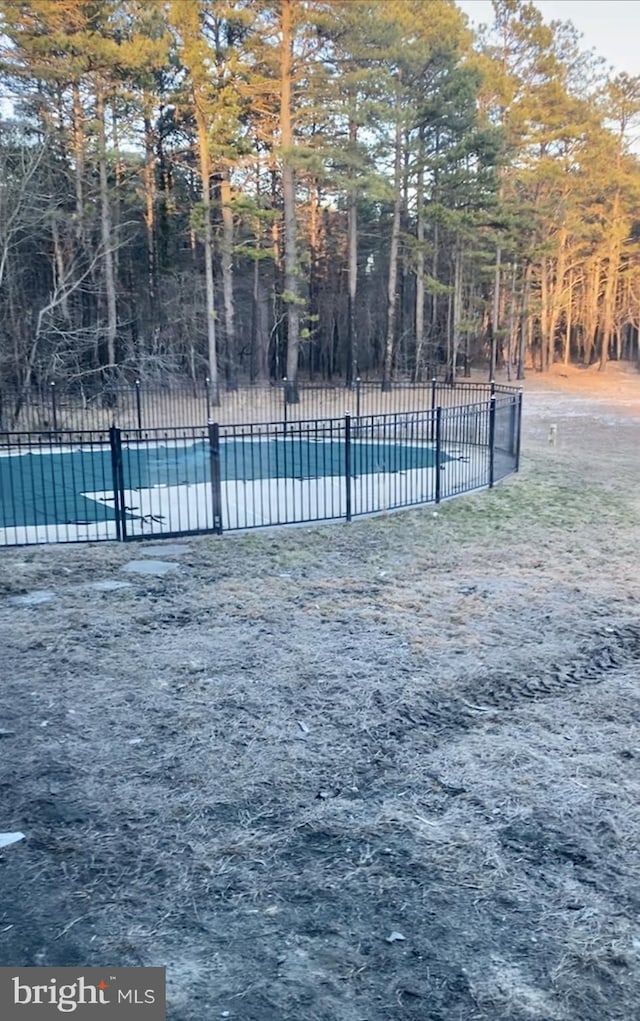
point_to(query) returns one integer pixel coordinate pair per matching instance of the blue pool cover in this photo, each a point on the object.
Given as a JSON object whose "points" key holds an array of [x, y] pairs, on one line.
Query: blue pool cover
{"points": [[46, 486]]}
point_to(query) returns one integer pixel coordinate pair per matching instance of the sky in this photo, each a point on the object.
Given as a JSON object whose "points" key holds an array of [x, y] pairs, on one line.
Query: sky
{"points": [[611, 27]]}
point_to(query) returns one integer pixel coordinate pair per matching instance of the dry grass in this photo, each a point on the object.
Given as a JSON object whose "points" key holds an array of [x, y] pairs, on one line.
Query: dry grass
{"points": [[413, 723]]}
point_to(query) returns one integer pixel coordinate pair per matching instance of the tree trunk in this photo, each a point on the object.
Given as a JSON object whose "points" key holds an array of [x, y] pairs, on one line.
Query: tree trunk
{"points": [[207, 236], [260, 313], [149, 178], [165, 199], [544, 314], [314, 250], [611, 284], [352, 268], [447, 377], [105, 223], [78, 152], [434, 273], [567, 335], [59, 271], [227, 280], [495, 317], [420, 261], [403, 265], [457, 311], [260, 361], [435, 261], [392, 290], [276, 342], [512, 322], [118, 176], [524, 324], [291, 281], [556, 296], [591, 309]]}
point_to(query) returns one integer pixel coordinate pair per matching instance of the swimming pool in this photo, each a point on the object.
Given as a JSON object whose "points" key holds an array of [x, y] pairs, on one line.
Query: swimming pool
{"points": [[87, 486], [70, 489]]}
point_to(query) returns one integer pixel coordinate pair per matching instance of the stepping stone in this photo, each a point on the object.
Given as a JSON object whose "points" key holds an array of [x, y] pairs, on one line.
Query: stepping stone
{"points": [[169, 549], [108, 585], [33, 598], [155, 568]]}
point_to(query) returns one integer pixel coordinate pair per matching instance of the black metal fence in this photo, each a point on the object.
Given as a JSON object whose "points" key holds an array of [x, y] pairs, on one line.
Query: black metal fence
{"points": [[56, 487], [131, 483], [60, 407]]}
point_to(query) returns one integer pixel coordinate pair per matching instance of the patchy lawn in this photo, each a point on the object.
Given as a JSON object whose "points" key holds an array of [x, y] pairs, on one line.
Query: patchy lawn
{"points": [[258, 767]]}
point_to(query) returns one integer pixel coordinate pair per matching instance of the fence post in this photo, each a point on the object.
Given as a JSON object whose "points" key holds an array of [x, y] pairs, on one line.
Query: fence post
{"points": [[518, 429], [347, 465], [433, 408], [54, 406], [438, 416], [347, 462], [115, 442], [284, 403], [1, 412], [216, 486], [492, 440], [138, 405], [493, 387]]}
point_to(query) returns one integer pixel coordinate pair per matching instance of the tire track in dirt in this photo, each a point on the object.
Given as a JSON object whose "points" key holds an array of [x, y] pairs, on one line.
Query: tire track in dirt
{"points": [[616, 648]]}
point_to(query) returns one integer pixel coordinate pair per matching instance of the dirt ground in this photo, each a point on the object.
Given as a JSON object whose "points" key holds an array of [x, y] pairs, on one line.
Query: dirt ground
{"points": [[267, 767]]}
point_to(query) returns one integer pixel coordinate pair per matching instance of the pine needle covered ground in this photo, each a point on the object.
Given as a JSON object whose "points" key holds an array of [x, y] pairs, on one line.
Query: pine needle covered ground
{"points": [[265, 768]]}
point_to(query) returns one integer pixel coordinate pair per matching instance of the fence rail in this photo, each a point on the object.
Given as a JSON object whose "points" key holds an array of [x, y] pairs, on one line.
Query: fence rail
{"points": [[131, 483]]}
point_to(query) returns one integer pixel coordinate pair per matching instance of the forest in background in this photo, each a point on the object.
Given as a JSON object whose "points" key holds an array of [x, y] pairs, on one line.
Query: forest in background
{"points": [[247, 190]]}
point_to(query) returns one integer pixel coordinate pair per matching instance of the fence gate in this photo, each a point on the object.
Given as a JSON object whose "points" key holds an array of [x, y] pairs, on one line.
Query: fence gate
{"points": [[166, 481]]}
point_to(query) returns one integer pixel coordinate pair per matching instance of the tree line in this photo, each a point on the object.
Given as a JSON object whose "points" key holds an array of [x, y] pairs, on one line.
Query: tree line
{"points": [[267, 189]]}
